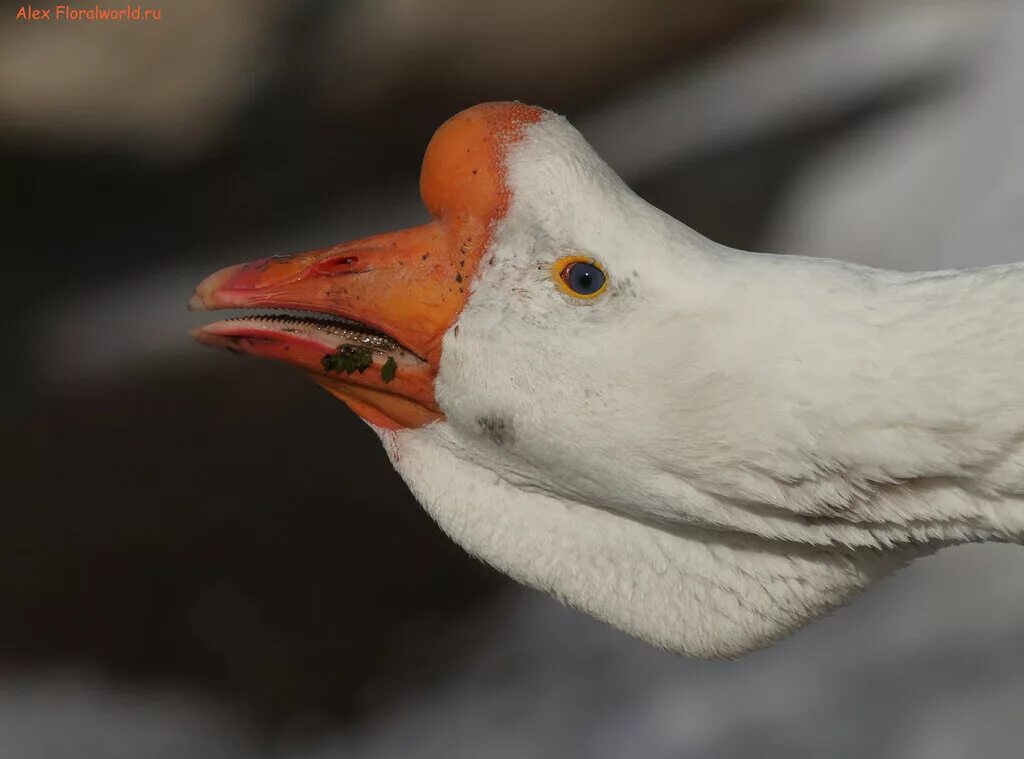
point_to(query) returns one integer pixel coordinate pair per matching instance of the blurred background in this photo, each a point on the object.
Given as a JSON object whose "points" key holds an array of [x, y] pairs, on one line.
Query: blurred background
{"points": [[203, 556]]}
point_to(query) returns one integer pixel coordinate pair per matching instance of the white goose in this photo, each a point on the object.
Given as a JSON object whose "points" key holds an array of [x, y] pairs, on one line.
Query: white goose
{"points": [[704, 447]]}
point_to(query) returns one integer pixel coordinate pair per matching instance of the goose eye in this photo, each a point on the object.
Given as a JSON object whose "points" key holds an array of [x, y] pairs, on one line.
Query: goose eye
{"points": [[581, 277]]}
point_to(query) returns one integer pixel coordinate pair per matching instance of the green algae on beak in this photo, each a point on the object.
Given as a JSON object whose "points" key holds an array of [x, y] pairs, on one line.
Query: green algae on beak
{"points": [[348, 359]]}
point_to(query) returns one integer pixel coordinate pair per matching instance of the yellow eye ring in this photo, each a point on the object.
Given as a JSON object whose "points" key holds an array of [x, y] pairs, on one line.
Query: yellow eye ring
{"points": [[579, 276]]}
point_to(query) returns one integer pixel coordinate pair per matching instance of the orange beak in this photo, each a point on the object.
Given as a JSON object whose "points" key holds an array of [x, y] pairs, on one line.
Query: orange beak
{"points": [[388, 299]]}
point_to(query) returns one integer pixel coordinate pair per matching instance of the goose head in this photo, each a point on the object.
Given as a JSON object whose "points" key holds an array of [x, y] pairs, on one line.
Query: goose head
{"points": [[576, 387]]}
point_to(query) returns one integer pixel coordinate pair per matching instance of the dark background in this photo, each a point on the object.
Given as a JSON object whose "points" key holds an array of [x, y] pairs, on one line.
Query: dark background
{"points": [[206, 556]]}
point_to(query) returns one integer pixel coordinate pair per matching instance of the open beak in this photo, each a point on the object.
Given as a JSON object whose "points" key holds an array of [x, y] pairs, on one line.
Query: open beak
{"points": [[374, 314], [374, 311]]}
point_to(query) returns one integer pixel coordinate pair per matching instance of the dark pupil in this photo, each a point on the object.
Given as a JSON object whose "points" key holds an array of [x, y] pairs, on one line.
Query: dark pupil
{"points": [[585, 278]]}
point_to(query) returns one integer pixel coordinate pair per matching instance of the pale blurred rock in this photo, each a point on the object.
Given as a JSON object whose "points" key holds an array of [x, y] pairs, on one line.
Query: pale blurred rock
{"points": [[73, 715], [165, 88], [937, 183]]}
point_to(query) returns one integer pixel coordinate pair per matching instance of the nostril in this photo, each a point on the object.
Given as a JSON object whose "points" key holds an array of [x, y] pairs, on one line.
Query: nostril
{"points": [[337, 265]]}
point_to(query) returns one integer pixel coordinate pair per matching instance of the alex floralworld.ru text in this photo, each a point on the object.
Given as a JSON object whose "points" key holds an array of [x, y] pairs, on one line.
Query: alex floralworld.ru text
{"points": [[93, 13]]}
